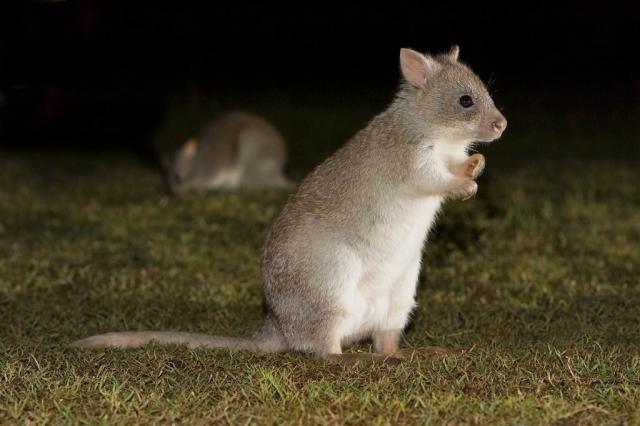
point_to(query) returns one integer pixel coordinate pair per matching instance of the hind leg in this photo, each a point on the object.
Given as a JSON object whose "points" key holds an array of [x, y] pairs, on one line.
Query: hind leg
{"points": [[329, 337], [423, 351], [361, 359], [332, 353], [322, 335], [386, 340], [386, 343], [317, 303]]}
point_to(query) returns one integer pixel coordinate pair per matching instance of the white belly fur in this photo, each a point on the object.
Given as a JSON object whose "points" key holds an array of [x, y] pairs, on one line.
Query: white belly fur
{"points": [[392, 249], [228, 178]]}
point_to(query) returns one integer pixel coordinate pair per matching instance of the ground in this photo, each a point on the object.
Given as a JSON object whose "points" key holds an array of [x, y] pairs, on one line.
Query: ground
{"points": [[536, 280]]}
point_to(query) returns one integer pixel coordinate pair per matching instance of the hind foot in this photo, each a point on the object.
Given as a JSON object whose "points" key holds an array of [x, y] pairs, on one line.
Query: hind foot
{"points": [[361, 359], [432, 352]]}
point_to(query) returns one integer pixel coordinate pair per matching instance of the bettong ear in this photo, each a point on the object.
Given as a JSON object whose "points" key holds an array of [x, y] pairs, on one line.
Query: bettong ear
{"points": [[454, 52], [189, 149], [417, 68]]}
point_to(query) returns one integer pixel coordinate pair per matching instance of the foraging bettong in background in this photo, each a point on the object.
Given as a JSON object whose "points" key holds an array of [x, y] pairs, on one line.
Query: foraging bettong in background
{"points": [[237, 150]]}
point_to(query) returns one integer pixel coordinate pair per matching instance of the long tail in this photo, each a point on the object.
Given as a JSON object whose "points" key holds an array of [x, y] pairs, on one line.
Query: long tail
{"points": [[266, 339]]}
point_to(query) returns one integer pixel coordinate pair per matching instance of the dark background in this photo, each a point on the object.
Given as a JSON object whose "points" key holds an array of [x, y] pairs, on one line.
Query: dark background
{"points": [[98, 73]]}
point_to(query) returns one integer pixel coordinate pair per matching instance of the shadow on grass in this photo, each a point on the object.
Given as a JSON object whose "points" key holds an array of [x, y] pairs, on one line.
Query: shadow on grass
{"points": [[57, 316]]}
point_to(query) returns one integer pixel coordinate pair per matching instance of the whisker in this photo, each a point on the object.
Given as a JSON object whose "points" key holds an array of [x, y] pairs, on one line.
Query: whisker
{"points": [[492, 79]]}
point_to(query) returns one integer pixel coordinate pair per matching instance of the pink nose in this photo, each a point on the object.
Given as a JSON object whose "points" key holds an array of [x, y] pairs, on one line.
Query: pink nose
{"points": [[499, 125]]}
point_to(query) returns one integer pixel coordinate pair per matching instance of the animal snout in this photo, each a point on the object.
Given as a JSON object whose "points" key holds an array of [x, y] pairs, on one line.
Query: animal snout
{"points": [[499, 125]]}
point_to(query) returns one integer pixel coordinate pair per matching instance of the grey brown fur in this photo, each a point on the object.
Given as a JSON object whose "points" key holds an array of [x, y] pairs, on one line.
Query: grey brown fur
{"points": [[341, 259], [237, 150]]}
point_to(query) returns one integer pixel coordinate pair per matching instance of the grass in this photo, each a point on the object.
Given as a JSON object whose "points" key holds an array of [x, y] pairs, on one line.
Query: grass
{"points": [[537, 278]]}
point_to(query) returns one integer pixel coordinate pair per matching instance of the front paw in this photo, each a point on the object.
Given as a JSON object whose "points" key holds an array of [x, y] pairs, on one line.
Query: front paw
{"points": [[464, 190], [474, 166]]}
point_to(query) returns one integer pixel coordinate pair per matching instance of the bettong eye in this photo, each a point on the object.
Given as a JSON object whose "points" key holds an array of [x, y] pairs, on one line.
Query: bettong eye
{"points": [[177, 179], [466, 101]]}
